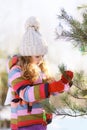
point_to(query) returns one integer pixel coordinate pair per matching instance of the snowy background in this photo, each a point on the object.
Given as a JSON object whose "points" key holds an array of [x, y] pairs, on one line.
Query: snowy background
{"points": [[13, 14]]}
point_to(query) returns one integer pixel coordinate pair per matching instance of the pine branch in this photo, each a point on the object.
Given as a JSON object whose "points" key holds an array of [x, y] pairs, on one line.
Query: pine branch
{"points": [[62, 68], [77, 32], [77, 97], [71, 115]]}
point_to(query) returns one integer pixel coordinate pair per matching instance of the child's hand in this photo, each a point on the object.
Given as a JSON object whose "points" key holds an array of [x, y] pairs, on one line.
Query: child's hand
{"points": [[67, 77], [56, 86]]}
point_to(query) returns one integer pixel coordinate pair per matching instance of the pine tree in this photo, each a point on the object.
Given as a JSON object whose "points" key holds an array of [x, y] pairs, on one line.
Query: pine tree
{"points": [[72, 103], [77, 32]]}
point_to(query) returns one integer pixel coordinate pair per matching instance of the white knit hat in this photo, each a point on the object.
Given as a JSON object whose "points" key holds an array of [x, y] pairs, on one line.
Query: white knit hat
{"points": [[33, 44]]}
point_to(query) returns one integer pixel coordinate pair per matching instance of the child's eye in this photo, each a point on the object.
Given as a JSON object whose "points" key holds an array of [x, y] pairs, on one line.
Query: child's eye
{"points": [[37, 56]]}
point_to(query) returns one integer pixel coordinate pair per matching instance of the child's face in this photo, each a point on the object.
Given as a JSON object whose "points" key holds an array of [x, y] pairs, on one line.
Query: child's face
{"points": [[37, 59]]}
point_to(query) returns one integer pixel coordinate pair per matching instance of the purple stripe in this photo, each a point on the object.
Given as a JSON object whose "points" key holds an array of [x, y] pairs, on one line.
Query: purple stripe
{"points": [[34, 127], [31, 94]]}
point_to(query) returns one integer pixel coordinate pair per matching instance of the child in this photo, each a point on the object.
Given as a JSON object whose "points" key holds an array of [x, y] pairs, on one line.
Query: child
{"points": [[30, 82]]}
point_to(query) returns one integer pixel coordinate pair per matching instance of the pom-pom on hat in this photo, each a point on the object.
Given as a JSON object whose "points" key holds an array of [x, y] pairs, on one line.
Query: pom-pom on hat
{"points": [[33, 43]]}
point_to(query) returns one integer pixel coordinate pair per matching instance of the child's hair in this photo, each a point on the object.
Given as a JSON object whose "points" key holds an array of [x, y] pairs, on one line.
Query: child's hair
{"points": [[31, 71]]}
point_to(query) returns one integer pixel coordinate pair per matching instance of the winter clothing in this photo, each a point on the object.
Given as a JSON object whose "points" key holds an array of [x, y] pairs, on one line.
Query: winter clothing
{"points": [[23, 91], [64, 83], [67, 76], [56, 86], [33, 43], [22, 88]]}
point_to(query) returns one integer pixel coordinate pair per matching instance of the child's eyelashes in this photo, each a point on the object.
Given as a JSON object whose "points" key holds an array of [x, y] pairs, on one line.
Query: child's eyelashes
{"points": [[39, 56]]}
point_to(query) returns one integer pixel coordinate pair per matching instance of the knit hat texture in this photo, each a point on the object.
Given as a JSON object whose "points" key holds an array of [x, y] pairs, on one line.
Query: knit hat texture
{"points": [[33, 43]]}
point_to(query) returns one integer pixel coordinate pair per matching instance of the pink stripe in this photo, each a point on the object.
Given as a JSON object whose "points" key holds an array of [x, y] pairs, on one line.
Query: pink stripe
{"points": [[22, 112], [34, 111], [31, 94], [66, 87], [14, 115], [17, 75], [37, 111]]}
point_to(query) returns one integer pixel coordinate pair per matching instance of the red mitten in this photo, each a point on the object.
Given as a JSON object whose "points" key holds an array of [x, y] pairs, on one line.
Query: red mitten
{"points": [[56, 86], [67, 77]]}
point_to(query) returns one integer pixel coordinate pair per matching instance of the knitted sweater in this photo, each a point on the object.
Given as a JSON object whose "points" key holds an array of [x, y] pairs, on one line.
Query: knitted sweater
{"points": [[22, 88]]}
